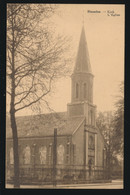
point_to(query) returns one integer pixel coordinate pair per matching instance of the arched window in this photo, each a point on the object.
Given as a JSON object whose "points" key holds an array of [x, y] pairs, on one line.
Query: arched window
{"points": [[85, 90], [68, 153], [74, 153], [77, 90], [43, 153], [27, 155], [91, 92], [50, 154], [91, 142], [60, 157], [91, 117], [11, 154]]}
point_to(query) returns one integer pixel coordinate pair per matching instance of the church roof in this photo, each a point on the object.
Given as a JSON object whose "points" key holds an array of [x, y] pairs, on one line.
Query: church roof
{"points": [[44, 124], [83, 61]]}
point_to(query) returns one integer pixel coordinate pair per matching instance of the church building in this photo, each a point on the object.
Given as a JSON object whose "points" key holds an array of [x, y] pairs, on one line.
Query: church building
{"points": [[79, 141]]}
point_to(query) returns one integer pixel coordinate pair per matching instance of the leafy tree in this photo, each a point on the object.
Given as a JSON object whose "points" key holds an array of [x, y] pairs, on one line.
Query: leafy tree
{"points": [[111, 125], [105, 124], [34, 60], [118, 123]]}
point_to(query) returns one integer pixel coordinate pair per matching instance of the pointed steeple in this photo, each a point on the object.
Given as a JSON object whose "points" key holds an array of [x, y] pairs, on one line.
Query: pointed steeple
{"points": [[82, 84], [82, 60]]}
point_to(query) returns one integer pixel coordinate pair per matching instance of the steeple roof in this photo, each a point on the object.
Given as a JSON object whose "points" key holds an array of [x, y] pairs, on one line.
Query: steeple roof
{"points": [[82, 61]]}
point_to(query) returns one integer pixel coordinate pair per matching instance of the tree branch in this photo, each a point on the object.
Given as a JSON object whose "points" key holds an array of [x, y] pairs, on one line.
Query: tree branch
{"points": [[28, 92], [39, 98]]}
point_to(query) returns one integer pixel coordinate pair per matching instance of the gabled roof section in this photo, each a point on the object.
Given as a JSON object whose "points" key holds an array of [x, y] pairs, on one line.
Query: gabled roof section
{"points": [[43, 125], [82, 60], [72, 125]]}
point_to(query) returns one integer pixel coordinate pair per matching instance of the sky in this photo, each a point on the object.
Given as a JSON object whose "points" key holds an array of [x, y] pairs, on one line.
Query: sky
{"points": [[105, 40]]}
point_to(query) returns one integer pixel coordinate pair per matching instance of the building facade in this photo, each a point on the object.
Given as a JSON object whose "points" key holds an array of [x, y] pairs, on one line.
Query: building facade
{"points": [[79, 142]]}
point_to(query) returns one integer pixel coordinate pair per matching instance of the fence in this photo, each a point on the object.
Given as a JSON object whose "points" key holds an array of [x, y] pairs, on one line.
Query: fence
{"points": [[61, 174]]}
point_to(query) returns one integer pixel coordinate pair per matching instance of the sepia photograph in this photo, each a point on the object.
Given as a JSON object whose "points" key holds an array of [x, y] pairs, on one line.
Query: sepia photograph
{"points": [[64, 96]]}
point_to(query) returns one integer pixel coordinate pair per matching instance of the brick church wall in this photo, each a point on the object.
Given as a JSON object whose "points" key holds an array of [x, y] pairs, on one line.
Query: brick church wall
{"points": [[43, 141]]}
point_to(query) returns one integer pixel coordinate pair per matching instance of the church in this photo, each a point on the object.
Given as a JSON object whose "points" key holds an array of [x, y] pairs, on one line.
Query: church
{"points": [[79, 142]]}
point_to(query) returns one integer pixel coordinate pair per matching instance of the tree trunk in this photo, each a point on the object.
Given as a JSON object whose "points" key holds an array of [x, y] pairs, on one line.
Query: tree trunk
{"points": [[12, 111], [15, 148], [15, 136]]}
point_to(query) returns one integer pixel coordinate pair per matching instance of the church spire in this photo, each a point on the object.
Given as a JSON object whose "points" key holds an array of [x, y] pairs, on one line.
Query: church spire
{"points": [[82, 60], [82, 83]]}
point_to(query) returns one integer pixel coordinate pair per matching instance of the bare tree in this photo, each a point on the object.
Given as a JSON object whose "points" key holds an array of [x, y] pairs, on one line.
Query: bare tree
{"points": [[34, 60]]}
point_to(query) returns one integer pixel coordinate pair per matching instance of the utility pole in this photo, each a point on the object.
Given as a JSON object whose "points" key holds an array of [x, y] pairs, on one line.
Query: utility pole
{"points": [[54, 157], [85, 130]]}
